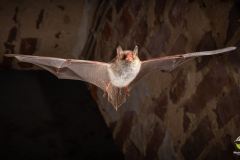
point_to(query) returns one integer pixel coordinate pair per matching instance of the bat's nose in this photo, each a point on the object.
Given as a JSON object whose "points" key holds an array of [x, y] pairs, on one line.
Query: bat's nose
{"points": [[128, 57]]}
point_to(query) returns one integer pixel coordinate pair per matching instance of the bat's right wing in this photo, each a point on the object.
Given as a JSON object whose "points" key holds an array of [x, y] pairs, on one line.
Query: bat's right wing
{"points": [[171, 62], [89, 71]]}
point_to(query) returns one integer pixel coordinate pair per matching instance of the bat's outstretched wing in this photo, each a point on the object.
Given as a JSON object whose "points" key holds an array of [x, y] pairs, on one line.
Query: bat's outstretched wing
{"points": [[89, 71], [171, 62]]}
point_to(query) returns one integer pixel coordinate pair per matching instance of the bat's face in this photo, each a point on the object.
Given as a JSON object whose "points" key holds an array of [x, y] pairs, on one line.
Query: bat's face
{"points": [[127, 55]]}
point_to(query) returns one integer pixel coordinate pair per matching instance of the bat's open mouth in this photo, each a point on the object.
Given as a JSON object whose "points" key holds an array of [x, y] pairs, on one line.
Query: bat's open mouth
{"points": [[128, 57]]}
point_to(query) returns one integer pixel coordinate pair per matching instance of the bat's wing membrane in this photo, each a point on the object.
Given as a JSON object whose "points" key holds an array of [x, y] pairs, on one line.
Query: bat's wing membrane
{"points": [[89, 71], [116, 96], [171, 62]]}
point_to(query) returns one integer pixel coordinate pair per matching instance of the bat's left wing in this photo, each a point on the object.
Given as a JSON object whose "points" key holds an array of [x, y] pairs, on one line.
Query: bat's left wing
{"points": [[89, 71], [171, 62]]}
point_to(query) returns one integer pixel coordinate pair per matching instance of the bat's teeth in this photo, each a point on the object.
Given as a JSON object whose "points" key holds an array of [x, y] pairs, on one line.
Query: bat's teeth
{"points": [[129, 59]]}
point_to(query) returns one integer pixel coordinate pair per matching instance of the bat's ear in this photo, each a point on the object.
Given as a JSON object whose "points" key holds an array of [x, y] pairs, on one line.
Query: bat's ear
{"points": [[119, 50], [135, 51]]}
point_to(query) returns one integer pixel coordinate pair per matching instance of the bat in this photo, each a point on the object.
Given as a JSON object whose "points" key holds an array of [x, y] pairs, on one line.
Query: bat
{"points": [[119, 76]]}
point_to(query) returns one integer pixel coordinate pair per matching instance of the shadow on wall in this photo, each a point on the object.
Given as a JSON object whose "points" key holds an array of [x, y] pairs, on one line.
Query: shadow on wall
{"points": [[42, 117]]}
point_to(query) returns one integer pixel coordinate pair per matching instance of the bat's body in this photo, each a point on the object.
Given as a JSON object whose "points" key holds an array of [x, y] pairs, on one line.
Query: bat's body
{"points": [[123, 72], [116, 78]]}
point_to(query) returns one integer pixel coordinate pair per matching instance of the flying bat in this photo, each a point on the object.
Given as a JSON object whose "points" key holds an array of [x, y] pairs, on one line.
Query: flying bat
{"points": [[118, 77]]}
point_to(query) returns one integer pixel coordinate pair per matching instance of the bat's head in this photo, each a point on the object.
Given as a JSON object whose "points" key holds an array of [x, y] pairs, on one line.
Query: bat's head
{"points": [[127, 55]]}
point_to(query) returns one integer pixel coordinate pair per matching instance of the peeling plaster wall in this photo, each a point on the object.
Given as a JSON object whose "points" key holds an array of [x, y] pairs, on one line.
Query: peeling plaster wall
{"points": [[194, 110]]}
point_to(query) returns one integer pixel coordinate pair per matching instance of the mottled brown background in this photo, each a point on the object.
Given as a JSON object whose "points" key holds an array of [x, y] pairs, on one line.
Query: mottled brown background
{"points": [[191, 113]]}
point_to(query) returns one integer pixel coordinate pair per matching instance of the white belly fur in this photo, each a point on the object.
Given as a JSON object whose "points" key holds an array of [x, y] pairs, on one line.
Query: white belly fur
{"points": [[122, 79]]}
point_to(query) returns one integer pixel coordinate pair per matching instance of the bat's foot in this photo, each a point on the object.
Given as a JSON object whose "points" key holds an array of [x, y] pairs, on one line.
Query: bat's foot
{"points": [[104, 94], [128, 93]]}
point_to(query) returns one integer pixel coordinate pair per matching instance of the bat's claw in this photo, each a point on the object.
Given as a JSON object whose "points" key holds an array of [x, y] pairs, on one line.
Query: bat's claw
{"points": [[104, 94], [128, 93]]}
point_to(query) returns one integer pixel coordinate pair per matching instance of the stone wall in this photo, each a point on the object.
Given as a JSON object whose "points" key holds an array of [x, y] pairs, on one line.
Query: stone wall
{"points": [[192, 112]]}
